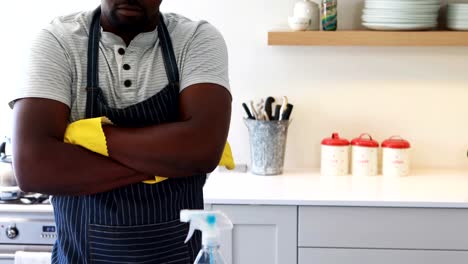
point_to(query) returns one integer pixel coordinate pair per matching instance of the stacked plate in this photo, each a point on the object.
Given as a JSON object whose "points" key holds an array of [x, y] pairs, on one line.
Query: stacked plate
{"points": [[457, 16], [400, 14]]}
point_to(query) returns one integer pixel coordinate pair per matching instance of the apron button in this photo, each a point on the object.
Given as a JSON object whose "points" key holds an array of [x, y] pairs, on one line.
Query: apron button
{"points": [[128, 83]]}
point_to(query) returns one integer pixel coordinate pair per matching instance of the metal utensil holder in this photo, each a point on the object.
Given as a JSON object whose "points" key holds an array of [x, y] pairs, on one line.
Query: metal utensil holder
{"points": [[267, 145]]}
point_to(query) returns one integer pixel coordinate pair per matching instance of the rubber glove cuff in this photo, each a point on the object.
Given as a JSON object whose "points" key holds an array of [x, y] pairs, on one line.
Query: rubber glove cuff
{"points": [[88, 133]]}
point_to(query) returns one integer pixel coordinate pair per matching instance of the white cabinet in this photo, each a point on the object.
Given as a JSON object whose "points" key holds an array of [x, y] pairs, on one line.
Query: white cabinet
{"points": [[261, 234], [380, 256], [383, 227], [344, 235]]}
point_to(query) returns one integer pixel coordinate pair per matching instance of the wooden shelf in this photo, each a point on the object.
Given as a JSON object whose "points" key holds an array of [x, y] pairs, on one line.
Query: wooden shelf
{"points": [[368, 38]]}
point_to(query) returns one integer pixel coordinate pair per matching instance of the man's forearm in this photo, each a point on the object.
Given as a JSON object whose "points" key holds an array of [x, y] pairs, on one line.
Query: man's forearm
{"points": [[191, 146], [57, 168], [168, 150]]}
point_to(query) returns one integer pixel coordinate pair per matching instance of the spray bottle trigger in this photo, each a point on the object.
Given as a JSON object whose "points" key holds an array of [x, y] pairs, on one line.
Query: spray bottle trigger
{"points": [[190, 233]]}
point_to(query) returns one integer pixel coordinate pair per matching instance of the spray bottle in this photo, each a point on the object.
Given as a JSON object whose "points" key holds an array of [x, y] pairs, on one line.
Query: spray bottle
{"points": [[210, 223]]}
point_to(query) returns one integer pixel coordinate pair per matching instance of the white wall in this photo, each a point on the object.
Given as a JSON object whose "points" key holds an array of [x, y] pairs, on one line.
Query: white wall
{"points": [[419, 93], [18, 23]]}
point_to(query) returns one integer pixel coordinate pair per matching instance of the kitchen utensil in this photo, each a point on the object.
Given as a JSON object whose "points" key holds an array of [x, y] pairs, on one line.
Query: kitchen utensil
{"points": [[284, 105], [268, 107], [287, 113], [254, 112], [247, 111], [364, 156], [265, 115], [276, 116], [335, 156], [395, 157]]}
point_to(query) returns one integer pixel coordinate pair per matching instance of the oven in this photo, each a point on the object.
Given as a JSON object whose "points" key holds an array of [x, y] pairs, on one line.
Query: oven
{"points": [[25, 227]]}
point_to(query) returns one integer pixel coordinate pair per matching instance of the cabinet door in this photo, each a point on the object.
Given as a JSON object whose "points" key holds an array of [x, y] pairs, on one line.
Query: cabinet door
{"points": [[383, 227], [382, 256], [261, 234]]}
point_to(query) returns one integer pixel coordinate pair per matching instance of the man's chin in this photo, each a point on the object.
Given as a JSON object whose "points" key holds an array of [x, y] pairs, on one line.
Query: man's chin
{"points": [[129, 23]]}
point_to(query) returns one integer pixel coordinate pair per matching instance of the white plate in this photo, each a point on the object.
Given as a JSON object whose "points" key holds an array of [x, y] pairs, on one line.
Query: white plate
{"points": [[407, 20], [402, 6], [388, 26], [457, 14], [461, 28], [458, 20], [398, 12], [457, 24], [397, 20], [460, 8], [405, 2], [458, 5], [400, 18]]}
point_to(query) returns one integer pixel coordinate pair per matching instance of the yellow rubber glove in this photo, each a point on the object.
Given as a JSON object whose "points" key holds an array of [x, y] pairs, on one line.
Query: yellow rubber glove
{"points": [[89, 134], [226, 160]]}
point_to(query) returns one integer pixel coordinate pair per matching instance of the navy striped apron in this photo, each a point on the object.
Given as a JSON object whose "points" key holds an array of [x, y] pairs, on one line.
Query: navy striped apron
{"points": [[138, 223]]}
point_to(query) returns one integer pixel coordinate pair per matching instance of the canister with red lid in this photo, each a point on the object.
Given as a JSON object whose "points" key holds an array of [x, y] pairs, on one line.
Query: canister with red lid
{"points": [[335, 156], [364, 156], [395, 157]]}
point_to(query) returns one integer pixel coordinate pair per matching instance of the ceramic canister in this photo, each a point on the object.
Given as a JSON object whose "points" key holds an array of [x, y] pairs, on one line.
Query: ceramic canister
{"points": [[335, 156], [309, 9], [364, 156], [395, 157]]}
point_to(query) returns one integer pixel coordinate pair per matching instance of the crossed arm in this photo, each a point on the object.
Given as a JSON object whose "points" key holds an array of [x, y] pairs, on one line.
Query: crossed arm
{"points": [[193, 145]]}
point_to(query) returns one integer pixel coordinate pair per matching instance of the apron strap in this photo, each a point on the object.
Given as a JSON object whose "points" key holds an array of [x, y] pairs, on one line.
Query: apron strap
{"points": [[93, 63], [93, 50], [170, 61]]}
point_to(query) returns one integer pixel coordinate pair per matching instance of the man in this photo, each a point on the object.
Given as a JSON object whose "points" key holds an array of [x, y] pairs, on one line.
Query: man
{"points": [[162, 80]]}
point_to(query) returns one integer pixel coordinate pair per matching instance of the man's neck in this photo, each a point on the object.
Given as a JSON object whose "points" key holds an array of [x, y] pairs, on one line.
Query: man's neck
{"points": [[126, 35]]}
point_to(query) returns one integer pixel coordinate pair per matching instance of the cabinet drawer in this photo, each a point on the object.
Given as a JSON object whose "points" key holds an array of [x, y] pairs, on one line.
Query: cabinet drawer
{"points": [[370, 227], [382, 256]]}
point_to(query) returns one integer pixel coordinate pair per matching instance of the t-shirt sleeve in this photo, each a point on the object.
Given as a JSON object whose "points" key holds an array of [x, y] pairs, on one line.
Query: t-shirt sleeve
{"points": [[206, 59], [47, 72]]}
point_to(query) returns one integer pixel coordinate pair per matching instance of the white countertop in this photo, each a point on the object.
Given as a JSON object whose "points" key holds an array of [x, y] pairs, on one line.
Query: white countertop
{"points": [[443, 189], [440, 189]]}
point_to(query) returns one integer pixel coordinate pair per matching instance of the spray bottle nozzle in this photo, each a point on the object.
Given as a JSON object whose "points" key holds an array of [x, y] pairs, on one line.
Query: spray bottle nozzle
{"points": [[210, 223]]}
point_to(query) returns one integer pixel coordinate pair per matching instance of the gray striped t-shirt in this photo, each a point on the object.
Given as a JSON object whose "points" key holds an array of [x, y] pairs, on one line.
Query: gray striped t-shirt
{"points": [[57, 63]]}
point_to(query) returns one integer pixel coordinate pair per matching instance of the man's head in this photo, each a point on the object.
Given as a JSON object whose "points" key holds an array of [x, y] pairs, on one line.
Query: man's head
{"points": [[131, 15]]}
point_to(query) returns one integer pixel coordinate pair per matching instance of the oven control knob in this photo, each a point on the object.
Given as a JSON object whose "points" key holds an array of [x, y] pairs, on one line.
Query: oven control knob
{"points": [[12, 232]]}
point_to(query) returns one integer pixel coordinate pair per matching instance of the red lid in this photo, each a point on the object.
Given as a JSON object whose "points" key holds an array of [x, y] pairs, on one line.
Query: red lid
{"points": [[396, 142], [335, 140], [365, 142]]}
